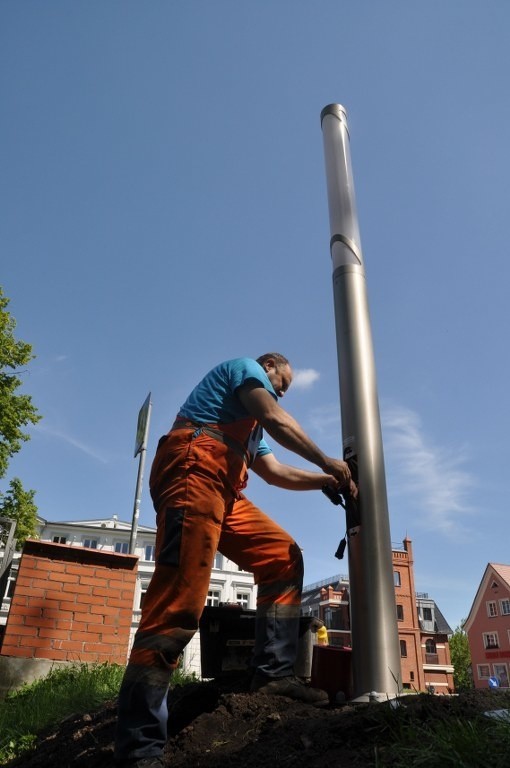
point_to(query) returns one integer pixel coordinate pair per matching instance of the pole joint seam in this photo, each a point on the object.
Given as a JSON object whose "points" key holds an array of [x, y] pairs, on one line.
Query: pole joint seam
{"points": [[351, 245]]}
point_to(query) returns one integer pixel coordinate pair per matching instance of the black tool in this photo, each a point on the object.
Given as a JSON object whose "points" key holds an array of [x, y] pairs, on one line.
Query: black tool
{"points": [[341, 548], [333, 495], [344, 499]]}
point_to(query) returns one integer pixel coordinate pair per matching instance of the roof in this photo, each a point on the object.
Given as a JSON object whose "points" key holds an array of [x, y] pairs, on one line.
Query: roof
{"points": [[332, 581], [498, 570], [503, 571], [104, 522], [442, 626]]}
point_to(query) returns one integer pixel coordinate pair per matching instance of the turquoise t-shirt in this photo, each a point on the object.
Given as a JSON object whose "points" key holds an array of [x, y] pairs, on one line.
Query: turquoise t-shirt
{"points": [[214, 399]]}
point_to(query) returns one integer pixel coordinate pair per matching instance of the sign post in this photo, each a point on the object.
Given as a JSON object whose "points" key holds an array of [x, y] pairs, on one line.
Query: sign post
{"points": [[142, 433]]}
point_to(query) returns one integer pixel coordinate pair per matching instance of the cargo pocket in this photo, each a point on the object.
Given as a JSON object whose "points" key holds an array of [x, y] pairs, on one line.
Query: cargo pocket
{"points": [[171, 546]]}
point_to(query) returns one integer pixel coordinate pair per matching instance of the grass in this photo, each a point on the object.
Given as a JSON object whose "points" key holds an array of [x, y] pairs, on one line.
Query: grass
{"points": [[65, 691], [440, 742]]}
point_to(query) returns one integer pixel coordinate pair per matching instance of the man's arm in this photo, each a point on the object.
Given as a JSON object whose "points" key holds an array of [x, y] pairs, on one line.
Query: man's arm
{"points": [[287, 432], [291, 478]]}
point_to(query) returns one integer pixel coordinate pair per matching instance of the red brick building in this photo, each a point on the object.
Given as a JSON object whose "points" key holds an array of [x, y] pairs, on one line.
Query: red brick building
{"points": [[488, 628], [422, 629]]}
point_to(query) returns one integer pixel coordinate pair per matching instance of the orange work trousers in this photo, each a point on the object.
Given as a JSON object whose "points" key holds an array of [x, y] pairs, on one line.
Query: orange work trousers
{"points": [[195, 481]]}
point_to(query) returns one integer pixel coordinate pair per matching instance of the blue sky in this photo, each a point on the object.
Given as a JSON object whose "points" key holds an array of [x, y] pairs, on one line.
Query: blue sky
{"points": [[163, 208]]}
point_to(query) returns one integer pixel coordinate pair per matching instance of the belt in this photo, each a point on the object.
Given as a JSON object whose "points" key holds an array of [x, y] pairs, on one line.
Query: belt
{"points": [[217, 434]]}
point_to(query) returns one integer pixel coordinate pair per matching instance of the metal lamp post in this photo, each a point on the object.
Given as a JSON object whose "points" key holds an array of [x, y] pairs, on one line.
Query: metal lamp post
{"points": [[375, 643]]}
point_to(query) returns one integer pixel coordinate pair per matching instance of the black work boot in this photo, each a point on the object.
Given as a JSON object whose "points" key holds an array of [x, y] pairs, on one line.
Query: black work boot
{"points": [[290, 686]]}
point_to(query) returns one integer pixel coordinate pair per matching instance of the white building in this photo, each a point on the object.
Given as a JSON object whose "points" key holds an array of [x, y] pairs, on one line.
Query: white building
{"points": [[228, 584]]}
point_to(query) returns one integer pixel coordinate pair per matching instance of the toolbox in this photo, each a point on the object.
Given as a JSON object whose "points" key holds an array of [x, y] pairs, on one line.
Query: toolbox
{"points": [[227, 637]]}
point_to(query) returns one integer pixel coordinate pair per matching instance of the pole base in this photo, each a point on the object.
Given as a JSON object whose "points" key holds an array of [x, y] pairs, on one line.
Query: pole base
{"points": [[377, 697]]}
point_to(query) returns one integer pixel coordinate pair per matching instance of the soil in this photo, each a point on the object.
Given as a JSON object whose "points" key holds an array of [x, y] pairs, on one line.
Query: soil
{"points": [[218, 723]]}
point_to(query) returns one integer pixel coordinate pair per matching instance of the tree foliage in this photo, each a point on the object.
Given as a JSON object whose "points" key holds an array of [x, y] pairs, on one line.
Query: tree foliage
{"points": [[16, 410], [461, 660], [18, 505]]}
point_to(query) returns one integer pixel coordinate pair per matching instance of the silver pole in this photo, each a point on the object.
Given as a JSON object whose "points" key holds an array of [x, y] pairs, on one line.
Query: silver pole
{"points": [[375, 642]]}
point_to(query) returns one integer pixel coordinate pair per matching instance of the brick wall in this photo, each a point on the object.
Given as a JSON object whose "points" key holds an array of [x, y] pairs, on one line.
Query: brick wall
{"points": [[71, 604]]}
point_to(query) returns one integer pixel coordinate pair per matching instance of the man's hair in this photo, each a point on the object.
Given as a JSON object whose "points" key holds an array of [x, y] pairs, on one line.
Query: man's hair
{"points": [[279, 359]]}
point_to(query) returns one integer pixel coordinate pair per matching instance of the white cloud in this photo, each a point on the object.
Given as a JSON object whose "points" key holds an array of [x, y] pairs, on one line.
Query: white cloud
{"points": [[433, 478], [431, 481], [70, 440], [304, 378]]}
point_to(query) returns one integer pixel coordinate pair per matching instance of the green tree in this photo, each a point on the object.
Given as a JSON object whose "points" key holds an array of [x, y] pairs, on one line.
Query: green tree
{"points": [[18, 504], [16, 410], [461, 660]]}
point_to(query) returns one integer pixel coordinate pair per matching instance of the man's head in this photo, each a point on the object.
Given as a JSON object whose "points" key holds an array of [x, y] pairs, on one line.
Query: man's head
{"points": [[278, 371]]}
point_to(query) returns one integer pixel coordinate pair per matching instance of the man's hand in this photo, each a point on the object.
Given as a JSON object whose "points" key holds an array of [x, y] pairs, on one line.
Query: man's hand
{"points": [[340, 471], [351, 488]]}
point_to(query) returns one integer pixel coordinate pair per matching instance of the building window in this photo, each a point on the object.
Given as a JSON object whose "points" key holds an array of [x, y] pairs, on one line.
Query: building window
{"points": [[213, 597], [431, 656], [122, 547], [501, 672], [411, 676], [243, 599], [10, 588], [483, 672], [400, 613], [143, 592], [150, 553], [427, 614], [505, 607], [403, 649], [492, 609], [396, 578], [90, 543], [490, 640], [59, 540], [218, 561]]}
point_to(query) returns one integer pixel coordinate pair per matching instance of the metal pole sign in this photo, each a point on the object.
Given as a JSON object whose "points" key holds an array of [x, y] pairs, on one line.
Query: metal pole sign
{"points": [[375, 642], [142, 433], [142, 428]]}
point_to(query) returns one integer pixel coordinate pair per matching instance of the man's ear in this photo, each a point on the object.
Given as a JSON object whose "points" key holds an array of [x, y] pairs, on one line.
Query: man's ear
{"points": [[269, 363]]}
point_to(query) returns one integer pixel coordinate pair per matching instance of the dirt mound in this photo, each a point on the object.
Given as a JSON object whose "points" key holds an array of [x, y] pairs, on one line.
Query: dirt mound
{"points": [[219, 724]]}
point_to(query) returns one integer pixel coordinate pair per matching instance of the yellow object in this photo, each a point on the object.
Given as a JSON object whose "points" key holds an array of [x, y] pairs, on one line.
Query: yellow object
{"points": [[322, 636]]}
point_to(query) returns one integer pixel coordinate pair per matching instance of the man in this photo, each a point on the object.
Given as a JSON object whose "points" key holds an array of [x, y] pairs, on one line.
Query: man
{"points": [[196, 483]]}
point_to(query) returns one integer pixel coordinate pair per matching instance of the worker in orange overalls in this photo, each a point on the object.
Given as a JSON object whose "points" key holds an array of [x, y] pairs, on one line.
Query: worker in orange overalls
{"points": [[196, 483]]}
